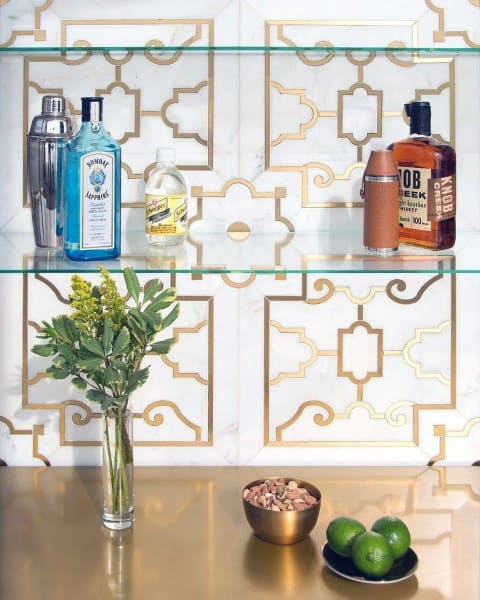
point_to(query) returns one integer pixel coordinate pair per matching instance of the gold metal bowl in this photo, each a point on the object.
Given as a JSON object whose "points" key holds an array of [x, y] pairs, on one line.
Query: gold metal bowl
{"points": [[283, 527]]}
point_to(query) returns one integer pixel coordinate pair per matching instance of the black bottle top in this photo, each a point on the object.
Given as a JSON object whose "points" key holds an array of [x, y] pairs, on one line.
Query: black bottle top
{"points": [[420, 117], [92, 108]]}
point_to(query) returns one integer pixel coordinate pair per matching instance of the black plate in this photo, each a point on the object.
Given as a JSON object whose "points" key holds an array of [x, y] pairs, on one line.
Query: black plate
{"points": [[402, 568]]}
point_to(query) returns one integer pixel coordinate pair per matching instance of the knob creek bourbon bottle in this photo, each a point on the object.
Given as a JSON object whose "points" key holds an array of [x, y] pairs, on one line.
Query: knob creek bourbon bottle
{"points": [[427, 181]]}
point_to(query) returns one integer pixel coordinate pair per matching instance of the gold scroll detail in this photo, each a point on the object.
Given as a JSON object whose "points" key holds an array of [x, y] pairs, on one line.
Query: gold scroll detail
{"points": [[303, 339], [441, 33], [174, 100], [303, 126], [39, 35], [349, 331], [177, 332], [417, 366]]}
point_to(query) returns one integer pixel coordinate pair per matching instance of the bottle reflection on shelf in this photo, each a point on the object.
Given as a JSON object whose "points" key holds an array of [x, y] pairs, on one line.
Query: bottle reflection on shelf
{"points": [[166, 257], [276, 568], [118, 552], [48, 259]]}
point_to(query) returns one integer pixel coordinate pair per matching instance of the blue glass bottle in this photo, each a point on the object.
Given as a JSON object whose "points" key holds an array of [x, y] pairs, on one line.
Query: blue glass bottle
{"points": [[91, 189]]}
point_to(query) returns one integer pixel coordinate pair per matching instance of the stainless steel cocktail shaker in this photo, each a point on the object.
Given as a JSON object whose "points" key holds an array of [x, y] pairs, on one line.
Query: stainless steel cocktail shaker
{"points": [[48, 134]]}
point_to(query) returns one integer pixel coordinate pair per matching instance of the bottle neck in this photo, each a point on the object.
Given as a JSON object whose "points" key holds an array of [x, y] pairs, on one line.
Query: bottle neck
{"points": [[166, 163], [93, 126]]}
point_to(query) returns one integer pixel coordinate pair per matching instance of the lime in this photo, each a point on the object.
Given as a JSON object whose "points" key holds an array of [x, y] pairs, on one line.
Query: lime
{"points": [[395, 532], [372, 554], [340, 534]]}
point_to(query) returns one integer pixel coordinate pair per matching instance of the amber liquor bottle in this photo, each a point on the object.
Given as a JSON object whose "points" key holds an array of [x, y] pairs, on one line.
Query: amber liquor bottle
{"points": [[427, 180]]}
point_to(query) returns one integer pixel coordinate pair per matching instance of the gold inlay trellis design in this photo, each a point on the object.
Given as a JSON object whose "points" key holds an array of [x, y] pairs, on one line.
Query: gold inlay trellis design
{"points": [[121, 78], [441, 33], [341, 372], [319, 190], [393, 415], [39, 35]]}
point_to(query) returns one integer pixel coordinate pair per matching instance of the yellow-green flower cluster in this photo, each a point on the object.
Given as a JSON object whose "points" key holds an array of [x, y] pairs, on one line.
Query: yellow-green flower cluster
{"points": [[86, 306], [113, 303]]}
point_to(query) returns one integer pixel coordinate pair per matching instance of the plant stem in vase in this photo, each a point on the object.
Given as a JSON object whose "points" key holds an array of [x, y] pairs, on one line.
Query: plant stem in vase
{"points": [[117, 469]]}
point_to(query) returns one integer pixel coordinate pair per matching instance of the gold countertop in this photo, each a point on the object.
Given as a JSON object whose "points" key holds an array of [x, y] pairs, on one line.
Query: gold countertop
{"points": [[191, 539]]}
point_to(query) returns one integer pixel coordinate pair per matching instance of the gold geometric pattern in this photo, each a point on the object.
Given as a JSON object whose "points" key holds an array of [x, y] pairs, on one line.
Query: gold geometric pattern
{"points": [[442, 33], [151, 102], [39, 35], [327, 182], [336, 418]]}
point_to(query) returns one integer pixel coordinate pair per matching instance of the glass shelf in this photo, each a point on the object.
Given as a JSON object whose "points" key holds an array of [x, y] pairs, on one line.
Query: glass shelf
{"points": [[240, 49], [220, 253]]}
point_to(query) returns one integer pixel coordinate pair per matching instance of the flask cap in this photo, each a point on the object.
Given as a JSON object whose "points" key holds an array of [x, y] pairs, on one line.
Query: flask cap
{"points": [[166, 155], [92, 108], [420, 117]]}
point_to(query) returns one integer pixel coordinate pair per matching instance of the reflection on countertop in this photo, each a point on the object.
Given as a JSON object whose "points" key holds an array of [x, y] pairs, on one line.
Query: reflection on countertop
{"points": [[191, 538]]}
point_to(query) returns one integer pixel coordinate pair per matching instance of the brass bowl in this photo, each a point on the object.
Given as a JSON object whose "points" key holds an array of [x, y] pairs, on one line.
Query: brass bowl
{"points": [[283, 527]]}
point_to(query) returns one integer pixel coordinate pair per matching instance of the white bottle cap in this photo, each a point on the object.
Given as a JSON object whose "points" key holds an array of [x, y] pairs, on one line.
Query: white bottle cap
{"points": [[165, 155]]}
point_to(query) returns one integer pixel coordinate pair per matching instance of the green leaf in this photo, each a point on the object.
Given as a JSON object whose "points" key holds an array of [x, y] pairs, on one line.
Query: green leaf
{"points": [[136, 330], [121, 342], [112, 376], [92, 345], [119, 365], [107, 337], [163, 346], [59, 362], [154, 321], [138, 316], [137, 380], [66, 329], [44, 350], [57, 373], [150, 289], [47, 331], [133, 285], [97, 396], [89, 364], [172, 315], [79, 383], [67, 352], [163, 300]]}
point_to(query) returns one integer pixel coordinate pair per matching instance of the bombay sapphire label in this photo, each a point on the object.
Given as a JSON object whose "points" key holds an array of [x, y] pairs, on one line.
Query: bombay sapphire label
{"points": [[96, 196]]}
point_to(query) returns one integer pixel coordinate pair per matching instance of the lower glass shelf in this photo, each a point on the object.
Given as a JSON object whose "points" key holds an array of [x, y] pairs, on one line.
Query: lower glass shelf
{"points": [[309, 252]]}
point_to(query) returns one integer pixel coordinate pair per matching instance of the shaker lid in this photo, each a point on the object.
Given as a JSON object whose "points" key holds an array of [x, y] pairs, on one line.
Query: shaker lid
{"points": [[53, 106], [53, 121]]}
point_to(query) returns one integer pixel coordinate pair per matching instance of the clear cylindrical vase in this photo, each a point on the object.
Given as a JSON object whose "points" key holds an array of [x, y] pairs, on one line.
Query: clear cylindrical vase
{"points": [[118, 469]]}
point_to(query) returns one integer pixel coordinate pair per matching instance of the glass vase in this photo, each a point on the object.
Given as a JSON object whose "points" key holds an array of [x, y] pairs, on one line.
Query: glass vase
{"points": [[117, 468]]}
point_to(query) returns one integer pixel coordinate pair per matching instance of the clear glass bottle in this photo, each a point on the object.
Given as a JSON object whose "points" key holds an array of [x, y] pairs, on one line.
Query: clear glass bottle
{"points": [[427, 181], [165, 202], [91, 190]]}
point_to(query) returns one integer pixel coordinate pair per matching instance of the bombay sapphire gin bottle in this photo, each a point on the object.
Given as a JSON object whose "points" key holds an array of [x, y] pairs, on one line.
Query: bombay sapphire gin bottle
{"points": [[92, 189]]}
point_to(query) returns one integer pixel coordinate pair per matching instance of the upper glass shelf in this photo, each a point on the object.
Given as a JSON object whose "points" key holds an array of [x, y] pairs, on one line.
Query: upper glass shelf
{"points": [[240, 49], [241, 253]]}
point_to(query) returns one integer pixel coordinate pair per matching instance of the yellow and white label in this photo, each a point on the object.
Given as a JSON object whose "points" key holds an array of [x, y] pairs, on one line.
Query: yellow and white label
{"points": [[165, 215]]}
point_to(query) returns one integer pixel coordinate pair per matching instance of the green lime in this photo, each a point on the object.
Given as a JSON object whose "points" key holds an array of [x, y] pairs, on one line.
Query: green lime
{"points": [[395, 532], [372, 554], [340, 534]]}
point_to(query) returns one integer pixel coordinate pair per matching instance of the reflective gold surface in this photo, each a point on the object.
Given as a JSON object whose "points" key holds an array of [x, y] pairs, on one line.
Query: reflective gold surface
{"points": [[191, 538]]}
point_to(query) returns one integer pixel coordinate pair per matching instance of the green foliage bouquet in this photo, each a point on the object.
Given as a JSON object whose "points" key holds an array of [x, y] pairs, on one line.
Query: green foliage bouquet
{"points": [[101, 346]]}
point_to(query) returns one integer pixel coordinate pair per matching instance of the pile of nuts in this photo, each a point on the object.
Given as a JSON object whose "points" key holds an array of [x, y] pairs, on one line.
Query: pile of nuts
{"points": [[278, 495]]}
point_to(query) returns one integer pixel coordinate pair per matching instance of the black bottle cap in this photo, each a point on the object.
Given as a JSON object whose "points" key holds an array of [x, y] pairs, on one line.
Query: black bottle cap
{"points": [[92, 108], [420, 117]]}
